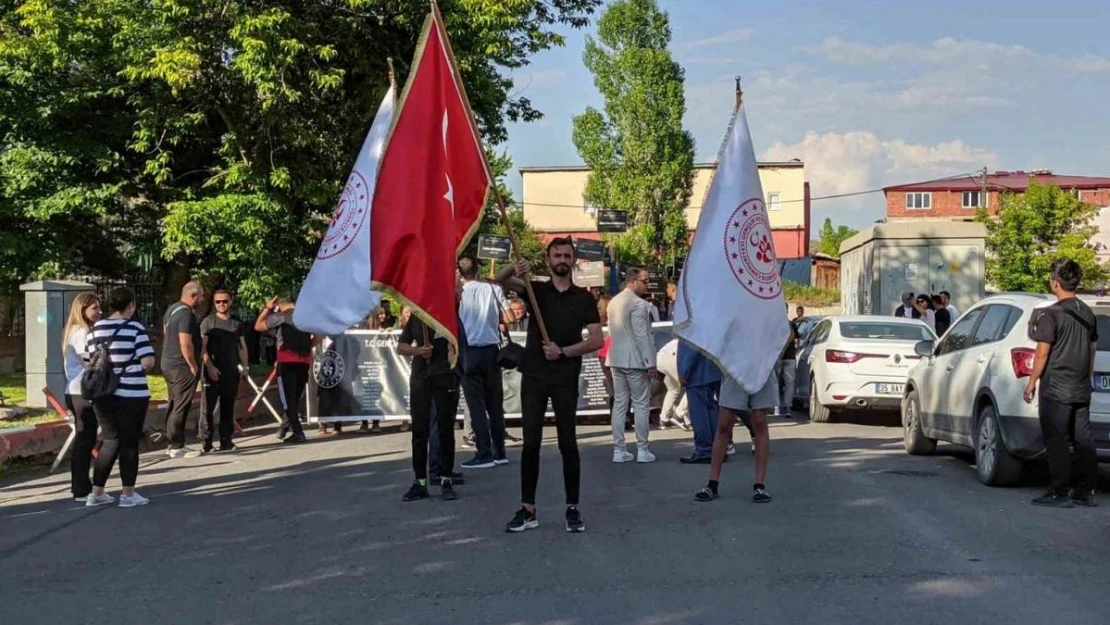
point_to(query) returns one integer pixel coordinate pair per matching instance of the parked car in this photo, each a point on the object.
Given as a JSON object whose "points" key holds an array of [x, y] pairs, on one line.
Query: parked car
{"points": [[967, 389], [857, 363], [806, 324]]}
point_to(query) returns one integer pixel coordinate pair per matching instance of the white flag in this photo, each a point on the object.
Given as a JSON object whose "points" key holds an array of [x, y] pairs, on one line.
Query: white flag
{"points": [[730, 305], [336, 295]]}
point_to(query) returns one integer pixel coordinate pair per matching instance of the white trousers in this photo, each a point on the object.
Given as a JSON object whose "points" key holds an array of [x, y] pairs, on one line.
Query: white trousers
{"points": [[631, 385], [674, 402]]}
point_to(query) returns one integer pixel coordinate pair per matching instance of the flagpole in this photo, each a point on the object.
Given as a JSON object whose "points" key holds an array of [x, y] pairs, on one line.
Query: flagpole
{"points": [[489, 173]]}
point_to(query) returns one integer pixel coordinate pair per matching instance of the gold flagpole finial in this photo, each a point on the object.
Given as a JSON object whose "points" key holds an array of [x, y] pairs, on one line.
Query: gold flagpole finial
{"points": [[739, 93], [392, 75]]}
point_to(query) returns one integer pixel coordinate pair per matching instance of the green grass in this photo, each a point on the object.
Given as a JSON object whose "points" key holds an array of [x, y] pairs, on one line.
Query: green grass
{"points": [[14, 389], [810, 295], [34, 416]]}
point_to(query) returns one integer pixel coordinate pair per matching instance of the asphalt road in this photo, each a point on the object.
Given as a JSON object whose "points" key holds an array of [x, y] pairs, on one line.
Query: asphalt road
{"points": [[858, 533]]}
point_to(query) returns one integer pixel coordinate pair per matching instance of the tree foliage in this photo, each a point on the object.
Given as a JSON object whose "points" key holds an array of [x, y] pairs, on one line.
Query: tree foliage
{"points": [[531, 247], [641, 159], [217, 133], [831, 238], [1033, 230]]}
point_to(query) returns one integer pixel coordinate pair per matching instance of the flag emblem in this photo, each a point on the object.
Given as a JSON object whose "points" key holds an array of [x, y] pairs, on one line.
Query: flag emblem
{"points": [[350, 214], [750, 250]]}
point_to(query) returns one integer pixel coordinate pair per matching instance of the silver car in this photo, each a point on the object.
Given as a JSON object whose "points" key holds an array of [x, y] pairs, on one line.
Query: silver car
{"points": [[967, 389]]}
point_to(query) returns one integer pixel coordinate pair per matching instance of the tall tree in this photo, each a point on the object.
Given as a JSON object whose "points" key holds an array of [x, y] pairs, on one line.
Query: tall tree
{"points": [[216, 134], [831, 238], [1034, 229], [641, 159]]}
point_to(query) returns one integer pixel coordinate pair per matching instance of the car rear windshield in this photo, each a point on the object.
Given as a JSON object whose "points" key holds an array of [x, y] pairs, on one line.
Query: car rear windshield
{"points": [[1102, 314], [883, 331]]}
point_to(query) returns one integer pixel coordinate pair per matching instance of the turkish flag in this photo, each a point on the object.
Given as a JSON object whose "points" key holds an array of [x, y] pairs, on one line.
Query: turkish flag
{"points": [[433, 183]]}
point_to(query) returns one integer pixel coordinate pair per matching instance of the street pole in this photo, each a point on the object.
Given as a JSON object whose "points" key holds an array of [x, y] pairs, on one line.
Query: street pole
{"points": [[986, 194]]}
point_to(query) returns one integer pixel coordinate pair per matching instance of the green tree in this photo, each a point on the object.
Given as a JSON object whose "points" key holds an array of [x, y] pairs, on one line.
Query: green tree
{"points": [[831, 238], [531, 247], [1033, 230], [216, 133], [641, 159]]}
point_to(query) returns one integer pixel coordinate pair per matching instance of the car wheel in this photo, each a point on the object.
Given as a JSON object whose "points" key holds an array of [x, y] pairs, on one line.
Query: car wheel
{"points": [[995, 465], [913, 435], [817, 412]]}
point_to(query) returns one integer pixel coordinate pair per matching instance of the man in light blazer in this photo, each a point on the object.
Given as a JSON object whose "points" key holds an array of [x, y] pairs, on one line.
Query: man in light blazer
{"points": [[632, 361]]}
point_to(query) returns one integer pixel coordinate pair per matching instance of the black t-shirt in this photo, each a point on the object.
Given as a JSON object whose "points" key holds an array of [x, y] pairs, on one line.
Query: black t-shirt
{"points": [[413, 334], [289, 338], [943, 320], [791, 352], [223, 341], [1067, 378], [179, 319], [565, 314]]}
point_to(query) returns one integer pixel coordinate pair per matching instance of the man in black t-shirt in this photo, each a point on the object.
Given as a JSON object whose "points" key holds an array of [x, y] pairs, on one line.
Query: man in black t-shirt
{"points": [[1067, 339], [549, 371], [181, 355], [225, 361], [431, 381], [786, 370]]}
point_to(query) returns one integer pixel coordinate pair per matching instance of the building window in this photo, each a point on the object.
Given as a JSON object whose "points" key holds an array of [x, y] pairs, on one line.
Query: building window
{"points": [[1077, 193], [975, 199], [919, 201], [773, 202]]}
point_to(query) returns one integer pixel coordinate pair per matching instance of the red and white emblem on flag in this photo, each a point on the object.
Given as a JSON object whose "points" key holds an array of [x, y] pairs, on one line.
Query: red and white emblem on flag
{"points": [[750, 250]]}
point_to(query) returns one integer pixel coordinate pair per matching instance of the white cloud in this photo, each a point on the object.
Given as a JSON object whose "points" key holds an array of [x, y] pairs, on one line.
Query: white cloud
{"points": [[732, 36], [970, 54], [849, 162]]}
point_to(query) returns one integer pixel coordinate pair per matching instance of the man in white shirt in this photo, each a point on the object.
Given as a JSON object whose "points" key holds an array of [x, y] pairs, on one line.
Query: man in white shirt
{"points": [[632, 361], [482, 309], [952, 310]]}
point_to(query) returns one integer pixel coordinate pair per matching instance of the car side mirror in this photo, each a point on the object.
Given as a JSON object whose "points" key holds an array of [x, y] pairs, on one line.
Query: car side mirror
{"points": [[924, 348]]}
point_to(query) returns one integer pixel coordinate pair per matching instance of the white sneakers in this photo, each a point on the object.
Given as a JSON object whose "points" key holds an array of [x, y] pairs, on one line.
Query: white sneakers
{"points": [[184, 452], [642, 456], [104, 499], [731, 450], [133, 500]]}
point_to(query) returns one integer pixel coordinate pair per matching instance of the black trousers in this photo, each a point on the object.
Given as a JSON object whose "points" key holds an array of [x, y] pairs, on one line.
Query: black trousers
{"points": [[294, 379], [485, 397], [534, 394], [182, 385], [223, 392], [80, 459], [1063, 424], [121, 426], [443, 392]]}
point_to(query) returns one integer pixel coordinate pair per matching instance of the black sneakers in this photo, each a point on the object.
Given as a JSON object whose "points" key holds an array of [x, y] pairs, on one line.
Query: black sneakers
{"points": [[1052, 499], [294, 439], [447, 490], [416, 492], [1083, 498], [574, 520], [523, 521], [706, 494], [760, 494]]}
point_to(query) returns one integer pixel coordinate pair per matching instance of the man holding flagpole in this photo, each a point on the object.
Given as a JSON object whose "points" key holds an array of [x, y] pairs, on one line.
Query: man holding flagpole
{"points": [[730, 301]]}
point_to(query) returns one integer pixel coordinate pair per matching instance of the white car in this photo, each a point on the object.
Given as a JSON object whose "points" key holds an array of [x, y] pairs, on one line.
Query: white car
{"points": [[857, 363], [967, 390]]}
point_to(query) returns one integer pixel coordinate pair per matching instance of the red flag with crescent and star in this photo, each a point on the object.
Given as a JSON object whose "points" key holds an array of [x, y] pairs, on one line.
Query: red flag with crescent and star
{"points": [[432, 188]]}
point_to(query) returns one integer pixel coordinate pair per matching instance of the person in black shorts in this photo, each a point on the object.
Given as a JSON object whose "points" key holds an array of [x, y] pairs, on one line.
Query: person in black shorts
{"points": [[1067, 340], [549, 371], [225, 362], [432, 381]]}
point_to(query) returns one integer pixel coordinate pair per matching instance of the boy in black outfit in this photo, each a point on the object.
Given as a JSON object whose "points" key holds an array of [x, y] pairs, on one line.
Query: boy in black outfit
{"points": [[1067, 340], [432, 380]]}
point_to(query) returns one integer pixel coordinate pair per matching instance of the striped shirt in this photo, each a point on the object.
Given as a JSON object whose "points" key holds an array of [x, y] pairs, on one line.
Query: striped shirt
{"points": [[128, 348]]}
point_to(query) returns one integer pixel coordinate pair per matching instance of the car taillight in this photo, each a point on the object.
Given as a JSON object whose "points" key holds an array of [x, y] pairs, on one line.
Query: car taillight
{"points": [[833, 355], [1022, 360]]}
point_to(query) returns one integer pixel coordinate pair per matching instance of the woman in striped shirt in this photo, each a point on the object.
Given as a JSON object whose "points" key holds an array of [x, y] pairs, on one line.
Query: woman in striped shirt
{"points": [[121, 415]]}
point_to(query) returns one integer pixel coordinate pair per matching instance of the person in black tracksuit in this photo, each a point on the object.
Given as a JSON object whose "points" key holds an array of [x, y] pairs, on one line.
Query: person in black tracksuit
{"points": [[225, 362], [294, 360]]}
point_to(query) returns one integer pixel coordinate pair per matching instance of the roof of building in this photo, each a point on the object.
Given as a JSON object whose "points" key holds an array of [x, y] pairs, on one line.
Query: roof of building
{"points": [[1006, 181], [918, 230], [765, 164]]}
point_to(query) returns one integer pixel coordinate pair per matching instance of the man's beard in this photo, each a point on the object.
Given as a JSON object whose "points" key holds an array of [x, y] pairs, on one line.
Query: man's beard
{"points": [[561, 270]]}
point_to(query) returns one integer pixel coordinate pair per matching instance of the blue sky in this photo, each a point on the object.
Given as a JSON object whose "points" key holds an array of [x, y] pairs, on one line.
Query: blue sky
{"points": [[867, 95]]}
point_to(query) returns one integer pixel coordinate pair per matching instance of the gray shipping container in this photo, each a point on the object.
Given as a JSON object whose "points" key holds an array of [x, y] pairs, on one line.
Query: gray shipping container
{"points": [[888, 259]]}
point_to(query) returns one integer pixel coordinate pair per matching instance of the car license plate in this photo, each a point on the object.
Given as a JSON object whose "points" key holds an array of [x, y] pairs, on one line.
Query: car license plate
{"points": [[1100, 383], [889, 389]]}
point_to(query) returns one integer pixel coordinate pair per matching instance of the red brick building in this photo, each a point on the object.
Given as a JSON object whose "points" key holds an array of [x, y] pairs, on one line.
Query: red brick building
{"points": [[959, 198]]}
